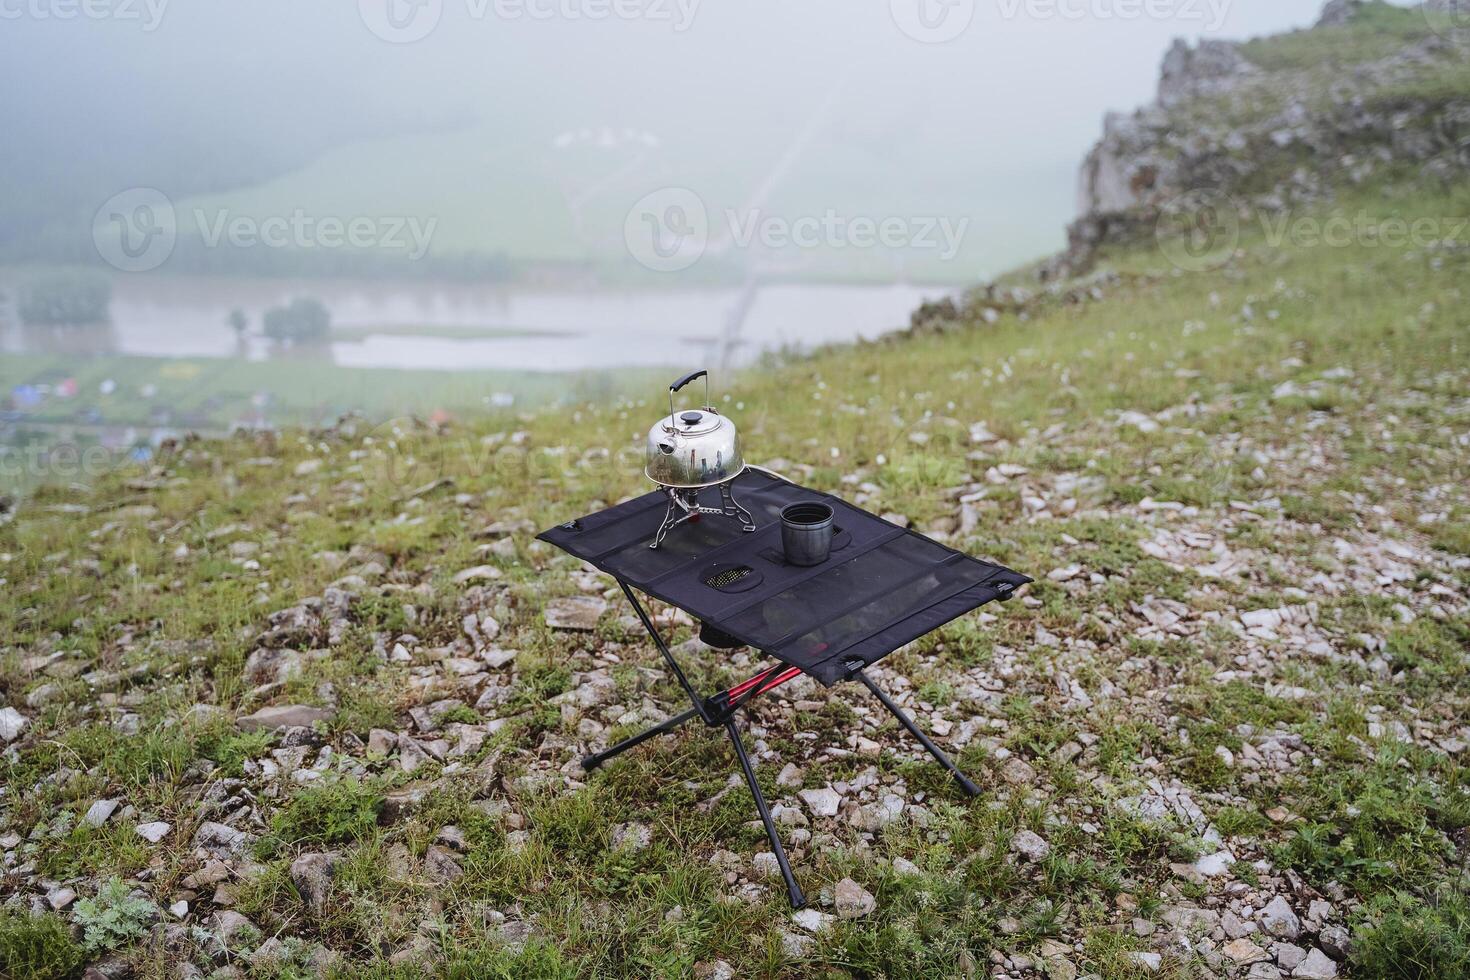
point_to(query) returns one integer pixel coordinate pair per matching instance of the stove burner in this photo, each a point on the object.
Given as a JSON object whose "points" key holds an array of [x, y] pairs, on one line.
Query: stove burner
{"points": [[684, 506]]}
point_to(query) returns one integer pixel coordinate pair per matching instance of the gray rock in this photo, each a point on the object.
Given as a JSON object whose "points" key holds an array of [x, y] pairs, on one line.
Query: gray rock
{"points": [[381, 741], [271, 955], [282, 716], [114, 966], [875, 816], [99, 812], [813, 920], [12, 724], [312, 876], [515, 934], [233, 929], [1030, 846], [1150, 962], [1316, 966], [903, 866], [221, 840], [441, 864], [497, 657], [1339, 12], [795, 946], [267, 666], [578, 612], [1215, 865], [1278, 919], [480, 573], [789, 776], [153, 832], [1335, 941], [852, 900], [1210, 67], [822, 802], [1244, 952], [60, 898], [411, 754], [1017, 771], [718, 970], [1289, 957]]}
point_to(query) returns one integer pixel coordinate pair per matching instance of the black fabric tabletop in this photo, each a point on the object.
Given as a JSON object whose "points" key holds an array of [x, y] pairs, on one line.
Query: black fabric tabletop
{"points": [[882, 586]]}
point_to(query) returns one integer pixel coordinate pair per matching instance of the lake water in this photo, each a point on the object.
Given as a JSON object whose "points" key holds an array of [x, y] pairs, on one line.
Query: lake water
{"points": [[506, 328]]}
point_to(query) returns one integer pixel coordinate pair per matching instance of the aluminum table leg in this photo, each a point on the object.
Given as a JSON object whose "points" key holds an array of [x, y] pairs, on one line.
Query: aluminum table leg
{"points": [[797, 898], [934, 750], [596, 759]]}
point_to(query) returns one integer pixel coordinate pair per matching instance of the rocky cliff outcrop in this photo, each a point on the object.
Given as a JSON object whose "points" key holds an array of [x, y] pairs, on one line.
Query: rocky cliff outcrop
{"points": [[1284, 132]]}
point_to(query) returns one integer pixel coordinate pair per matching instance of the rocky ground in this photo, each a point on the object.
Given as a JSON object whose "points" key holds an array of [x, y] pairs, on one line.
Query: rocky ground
{"points": [[312, 703], [315, 703]]}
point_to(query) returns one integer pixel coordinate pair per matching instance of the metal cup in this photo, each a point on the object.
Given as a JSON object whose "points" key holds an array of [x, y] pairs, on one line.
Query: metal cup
{"points": [[806, 532]]}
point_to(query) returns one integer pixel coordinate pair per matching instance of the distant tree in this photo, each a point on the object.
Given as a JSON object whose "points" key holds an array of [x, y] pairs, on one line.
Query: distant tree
{"points": [[65, 298], [302, 321], [239, 323]]}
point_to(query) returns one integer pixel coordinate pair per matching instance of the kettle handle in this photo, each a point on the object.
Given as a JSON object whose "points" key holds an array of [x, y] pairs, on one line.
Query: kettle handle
{"points": [[693, 376]]}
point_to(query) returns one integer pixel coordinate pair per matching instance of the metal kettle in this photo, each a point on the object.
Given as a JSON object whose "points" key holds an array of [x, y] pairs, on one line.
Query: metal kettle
{"points": [[693, 448]]}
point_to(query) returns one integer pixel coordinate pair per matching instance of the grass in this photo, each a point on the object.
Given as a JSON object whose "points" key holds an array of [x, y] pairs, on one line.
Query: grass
{"points": [[37, 947], [324, 815], [1409, 938], [1378, 30]]}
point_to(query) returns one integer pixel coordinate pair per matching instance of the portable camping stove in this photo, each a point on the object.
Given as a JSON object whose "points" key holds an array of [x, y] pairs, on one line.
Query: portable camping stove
{"points": [[684, 506], [687, 452]]}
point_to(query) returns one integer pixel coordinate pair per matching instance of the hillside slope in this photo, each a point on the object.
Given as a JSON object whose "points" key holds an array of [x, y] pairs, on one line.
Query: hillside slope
{"points": [[1375, 93], [1224, 734]]}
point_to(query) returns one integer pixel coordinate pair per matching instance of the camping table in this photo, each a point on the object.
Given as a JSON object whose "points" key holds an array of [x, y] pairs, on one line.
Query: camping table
{"points": [[882, 587]]}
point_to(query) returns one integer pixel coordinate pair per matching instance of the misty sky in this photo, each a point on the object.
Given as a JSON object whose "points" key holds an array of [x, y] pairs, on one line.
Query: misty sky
{"points": [[1007, 108]]}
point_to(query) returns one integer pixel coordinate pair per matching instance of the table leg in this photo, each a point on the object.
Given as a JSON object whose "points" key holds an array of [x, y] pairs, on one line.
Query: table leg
{"points": [[934, 750], [596, 759], [797, 898], [694, 698]]}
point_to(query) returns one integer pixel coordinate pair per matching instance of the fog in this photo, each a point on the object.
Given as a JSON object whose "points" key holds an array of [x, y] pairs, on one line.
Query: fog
{"points": [[516, 187], [802, 107]]}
